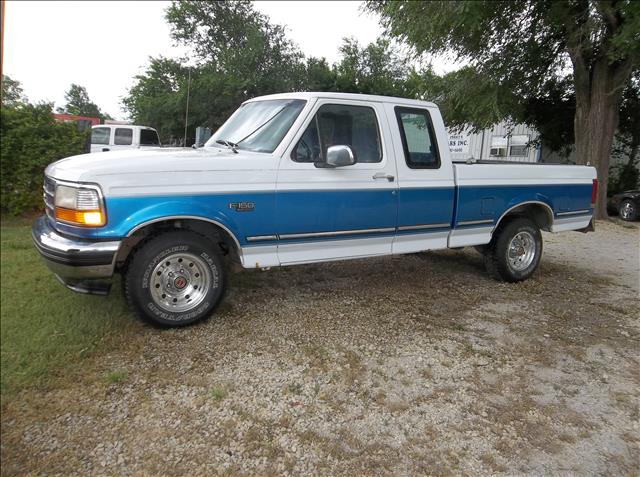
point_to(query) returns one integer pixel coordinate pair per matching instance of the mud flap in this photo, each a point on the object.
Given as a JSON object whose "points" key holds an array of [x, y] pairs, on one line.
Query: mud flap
{"points": [[589, 228]]}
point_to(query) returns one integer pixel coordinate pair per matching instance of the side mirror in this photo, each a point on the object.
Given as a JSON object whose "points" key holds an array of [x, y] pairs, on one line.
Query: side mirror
{"points": [[338, 156]]}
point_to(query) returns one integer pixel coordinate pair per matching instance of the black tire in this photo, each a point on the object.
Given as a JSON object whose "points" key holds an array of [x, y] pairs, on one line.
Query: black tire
{"points": [[628, 210], [151, 267], [496, 256]]}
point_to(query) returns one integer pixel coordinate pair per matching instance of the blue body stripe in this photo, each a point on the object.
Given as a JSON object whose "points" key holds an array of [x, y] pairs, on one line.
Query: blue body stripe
{"points": [[331, 210], [490, 202], [295, 212], [425, 206]]}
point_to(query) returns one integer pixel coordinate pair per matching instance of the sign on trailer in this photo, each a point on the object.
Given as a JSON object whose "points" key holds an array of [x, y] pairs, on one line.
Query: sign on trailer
{"points": [[459, 143]]}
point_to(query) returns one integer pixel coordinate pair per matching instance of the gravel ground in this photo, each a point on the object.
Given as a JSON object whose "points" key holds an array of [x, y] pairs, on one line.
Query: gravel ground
{"points": [[409, 365]]}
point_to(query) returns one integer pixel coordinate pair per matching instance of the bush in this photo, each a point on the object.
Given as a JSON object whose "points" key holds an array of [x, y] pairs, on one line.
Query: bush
{"points": [[623, 177], [30, 139]]}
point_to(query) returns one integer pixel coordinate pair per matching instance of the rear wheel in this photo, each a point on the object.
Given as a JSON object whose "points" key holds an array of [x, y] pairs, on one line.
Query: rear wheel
{"points": [[515, 250], [628, 210], [175, 279]]}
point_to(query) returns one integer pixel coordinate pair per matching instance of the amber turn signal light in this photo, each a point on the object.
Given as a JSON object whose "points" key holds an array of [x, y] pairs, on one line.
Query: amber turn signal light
{"points": [[91, 218]]}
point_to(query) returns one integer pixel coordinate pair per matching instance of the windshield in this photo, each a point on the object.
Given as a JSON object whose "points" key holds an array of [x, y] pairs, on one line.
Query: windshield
{"points": [[258, 126]]}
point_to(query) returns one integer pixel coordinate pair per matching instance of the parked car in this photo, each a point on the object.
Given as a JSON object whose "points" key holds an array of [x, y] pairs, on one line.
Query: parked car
{"points": [[113, 137], [625, 204], [290, 179]]}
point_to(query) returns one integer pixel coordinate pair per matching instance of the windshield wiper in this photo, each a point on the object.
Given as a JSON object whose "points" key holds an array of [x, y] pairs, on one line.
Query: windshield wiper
{"points": [[231, 145]]}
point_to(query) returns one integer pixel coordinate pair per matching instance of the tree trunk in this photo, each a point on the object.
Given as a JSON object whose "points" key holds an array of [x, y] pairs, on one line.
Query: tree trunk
{"points": [[597, 112]]}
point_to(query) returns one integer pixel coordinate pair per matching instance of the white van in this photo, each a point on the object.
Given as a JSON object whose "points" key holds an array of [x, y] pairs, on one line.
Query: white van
{"points": [[113, 137]]}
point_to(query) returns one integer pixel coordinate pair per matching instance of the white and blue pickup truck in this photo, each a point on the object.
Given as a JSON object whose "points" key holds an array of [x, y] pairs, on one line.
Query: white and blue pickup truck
{"points": [[291, 179]]}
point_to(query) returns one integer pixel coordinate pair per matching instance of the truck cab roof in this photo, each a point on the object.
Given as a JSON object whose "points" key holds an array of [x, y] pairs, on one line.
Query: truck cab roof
{"points": [[131, 126], [346, 96]]}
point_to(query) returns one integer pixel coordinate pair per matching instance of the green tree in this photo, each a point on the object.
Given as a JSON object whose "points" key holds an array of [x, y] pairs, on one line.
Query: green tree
{"points": [[551, 113], [466, 97], [30, 139], [159, 95], [319, 76], [12, 93], [78, 103], [629, 126], [377, 68], [626, 175], [158, 98], [238, 54], [522, 45], [238, 41]]}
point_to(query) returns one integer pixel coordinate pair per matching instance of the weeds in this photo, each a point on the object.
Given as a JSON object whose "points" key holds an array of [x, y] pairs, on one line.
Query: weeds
{"points": [[116, 377], [218, 392]]}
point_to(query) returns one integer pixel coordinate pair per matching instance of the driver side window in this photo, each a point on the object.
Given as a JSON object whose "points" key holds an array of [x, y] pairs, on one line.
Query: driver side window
{"points": [[337, 124]]}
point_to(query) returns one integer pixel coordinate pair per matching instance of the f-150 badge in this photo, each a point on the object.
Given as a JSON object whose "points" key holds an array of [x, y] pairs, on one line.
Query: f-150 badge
{"points": [[242, 206]]}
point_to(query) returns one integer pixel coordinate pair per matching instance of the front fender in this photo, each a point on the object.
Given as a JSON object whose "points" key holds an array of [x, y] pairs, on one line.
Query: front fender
{"points": [[125, 214], [174, 209]]}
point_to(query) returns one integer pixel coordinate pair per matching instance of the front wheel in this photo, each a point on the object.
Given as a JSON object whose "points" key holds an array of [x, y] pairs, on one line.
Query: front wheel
{"points": [[175, 279], [515, 251]]}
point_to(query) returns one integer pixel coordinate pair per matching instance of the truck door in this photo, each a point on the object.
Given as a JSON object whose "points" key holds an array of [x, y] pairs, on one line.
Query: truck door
{"points": [[342, 212], [425, 178]]}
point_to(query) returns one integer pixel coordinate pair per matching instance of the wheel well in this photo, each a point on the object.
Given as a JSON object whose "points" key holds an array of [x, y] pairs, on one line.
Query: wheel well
{"points": [[538, 212], [218, 235]]}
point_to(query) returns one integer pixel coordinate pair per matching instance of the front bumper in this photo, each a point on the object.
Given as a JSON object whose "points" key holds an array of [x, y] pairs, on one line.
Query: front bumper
{"points": [[84, 266]]}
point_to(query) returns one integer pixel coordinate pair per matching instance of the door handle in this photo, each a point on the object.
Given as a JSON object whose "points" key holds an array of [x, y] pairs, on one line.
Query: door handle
{"points": [[382, 175], [105, 149]]}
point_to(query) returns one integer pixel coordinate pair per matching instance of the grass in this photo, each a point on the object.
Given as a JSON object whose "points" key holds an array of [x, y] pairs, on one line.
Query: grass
{"points": [[115, 377], [217, 392], [46, 330]]}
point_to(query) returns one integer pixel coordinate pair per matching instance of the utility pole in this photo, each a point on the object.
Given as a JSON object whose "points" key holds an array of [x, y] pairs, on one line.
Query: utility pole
{"points": [[2, 13], [186, 115]]}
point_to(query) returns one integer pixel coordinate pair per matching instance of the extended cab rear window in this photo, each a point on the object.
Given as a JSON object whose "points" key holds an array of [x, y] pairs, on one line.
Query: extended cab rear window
{"points": [[148, 137], [418, 138], [123, 137]]}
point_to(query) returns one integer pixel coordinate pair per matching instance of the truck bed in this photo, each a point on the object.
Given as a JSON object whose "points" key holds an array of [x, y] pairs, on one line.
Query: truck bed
{"points": [[486, 191]]}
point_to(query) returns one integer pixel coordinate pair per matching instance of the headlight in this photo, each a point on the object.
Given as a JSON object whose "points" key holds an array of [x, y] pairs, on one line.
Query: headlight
{"points": [[79, 206]]}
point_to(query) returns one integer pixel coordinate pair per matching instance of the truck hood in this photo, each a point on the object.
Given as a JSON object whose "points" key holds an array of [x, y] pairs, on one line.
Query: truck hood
{"points": [[148, 166]]}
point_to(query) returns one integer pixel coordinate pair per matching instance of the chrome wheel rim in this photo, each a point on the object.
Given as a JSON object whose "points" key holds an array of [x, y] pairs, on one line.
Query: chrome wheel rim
{"points": [[521, 251], [180, 282], [626, 209]]}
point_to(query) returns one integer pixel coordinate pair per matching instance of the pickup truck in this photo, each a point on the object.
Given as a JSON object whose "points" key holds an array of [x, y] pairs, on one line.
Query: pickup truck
{"points": [[114, 137], [291, 179]]}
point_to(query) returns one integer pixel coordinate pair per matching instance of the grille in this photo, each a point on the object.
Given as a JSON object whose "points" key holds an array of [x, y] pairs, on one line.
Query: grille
{"points": [[49, 190]]}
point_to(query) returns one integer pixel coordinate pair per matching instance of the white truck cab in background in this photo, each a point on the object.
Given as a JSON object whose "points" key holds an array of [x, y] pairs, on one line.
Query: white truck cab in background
{"points": [[114, 137]]}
